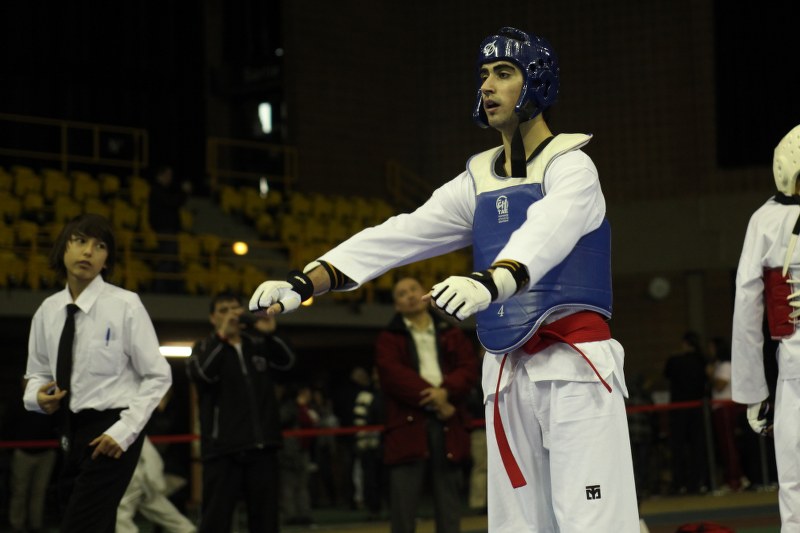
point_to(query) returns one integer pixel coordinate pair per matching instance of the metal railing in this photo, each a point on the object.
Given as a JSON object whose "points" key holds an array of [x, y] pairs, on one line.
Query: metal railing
{"points": [[236, 160], [69, 142]]}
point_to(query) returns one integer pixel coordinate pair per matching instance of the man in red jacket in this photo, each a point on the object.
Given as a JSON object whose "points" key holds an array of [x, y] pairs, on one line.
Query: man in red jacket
{"points": [[427, 368]]}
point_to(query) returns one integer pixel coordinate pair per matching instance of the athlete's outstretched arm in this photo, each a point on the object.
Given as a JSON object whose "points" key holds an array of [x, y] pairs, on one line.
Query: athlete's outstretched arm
{"points": [[441, 225]]}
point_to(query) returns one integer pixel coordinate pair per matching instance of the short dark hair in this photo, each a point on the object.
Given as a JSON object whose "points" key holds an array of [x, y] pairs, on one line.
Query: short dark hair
{"points": [[225, 296], [90, 225], [692, 339]]}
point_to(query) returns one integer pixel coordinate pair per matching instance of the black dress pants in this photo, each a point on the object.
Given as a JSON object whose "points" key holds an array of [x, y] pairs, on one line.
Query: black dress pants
{"points": [[251, 475], [90, 490], [407, 482]]}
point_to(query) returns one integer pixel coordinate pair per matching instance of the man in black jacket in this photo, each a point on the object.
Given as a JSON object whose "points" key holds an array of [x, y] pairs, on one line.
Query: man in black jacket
{"points": [[239, 421]]}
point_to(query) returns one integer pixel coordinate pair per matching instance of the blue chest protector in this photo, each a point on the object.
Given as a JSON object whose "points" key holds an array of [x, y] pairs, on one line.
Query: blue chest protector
{"points": [[582, 281]]}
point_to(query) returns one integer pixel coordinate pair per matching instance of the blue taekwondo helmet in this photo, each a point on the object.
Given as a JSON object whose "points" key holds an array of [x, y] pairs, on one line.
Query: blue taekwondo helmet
{"points": [[536, 59]]}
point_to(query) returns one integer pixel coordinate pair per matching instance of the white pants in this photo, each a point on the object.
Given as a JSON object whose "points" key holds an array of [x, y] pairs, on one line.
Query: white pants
{"points": [[571, 442], [154, 506], [787, 452]]}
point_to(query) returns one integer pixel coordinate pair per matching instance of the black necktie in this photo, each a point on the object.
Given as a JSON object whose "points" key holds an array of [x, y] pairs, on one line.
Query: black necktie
{"points": [[64, 368]]}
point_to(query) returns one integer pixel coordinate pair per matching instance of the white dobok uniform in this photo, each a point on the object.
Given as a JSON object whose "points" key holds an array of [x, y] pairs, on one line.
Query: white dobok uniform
{"points": [[567, 432], [765, 246]]}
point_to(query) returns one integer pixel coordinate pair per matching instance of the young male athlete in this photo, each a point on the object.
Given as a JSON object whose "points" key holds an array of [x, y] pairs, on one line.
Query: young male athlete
{"points": [[559, 454], [769, 268]]}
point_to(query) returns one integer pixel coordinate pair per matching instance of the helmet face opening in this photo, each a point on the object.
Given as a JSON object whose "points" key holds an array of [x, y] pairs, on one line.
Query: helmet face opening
{"points": [[538, 63]]}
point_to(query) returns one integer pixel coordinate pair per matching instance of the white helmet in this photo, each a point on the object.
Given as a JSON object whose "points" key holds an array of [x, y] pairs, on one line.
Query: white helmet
{"points": [[786, 163]]}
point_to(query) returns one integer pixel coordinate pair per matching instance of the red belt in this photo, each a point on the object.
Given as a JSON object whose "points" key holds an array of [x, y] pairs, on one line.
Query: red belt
{"points": [[584, 326]]}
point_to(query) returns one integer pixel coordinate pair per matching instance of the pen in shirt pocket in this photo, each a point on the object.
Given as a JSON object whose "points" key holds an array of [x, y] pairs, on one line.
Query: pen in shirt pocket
{"points": [[108, 335]]}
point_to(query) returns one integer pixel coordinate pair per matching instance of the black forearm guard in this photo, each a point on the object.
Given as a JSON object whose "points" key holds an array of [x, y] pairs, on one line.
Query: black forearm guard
{"points": [[484, 277], [301, 284]]}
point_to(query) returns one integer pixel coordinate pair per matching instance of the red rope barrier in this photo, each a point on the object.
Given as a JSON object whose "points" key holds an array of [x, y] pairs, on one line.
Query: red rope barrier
{"points": [[352, 430]]}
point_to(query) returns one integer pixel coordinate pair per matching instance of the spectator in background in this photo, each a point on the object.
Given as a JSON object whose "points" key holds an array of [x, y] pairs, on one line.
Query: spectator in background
{"points": [[239, 418], [166, 200], [325, 451], [369, 411], [427, 368], [173, 417], [725, 415], [641, 428], [31, 468], [295, 457], [147, 494], [688, 381], [344, 401]]}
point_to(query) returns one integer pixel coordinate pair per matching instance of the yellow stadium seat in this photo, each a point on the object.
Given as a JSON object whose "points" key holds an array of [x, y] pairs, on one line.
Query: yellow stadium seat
{"points": [[149, 239], [231, 201], [51, 231], [139, 191], [80, 175], [144, 216], [188, 247], [322, 206], [10, 207], [300, 204], [266, 227], [109, 184], [187, 219], [210, 243], [355, 225], [118, 277], [196, 278], [6, 180], [123, 215], [27, 231], [252, 203], [291, 230], [315, 230], [38, 273], [273, 199], [251, 277], [363, 210], [224, 278], [21, 169], [33, 204], [12, 269], [98, 207], [342, 208], [385, 283], [382, 210], [84, 186], [25, 183], [336, 232], [55, 184], [66, 209], [25, 180], [6, 236], [137, 275], [125, 238]]}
